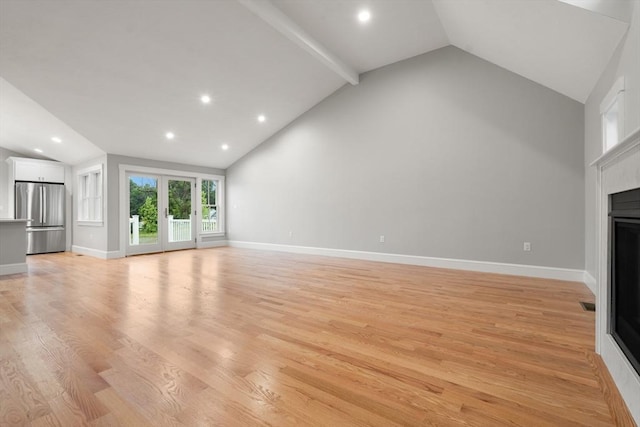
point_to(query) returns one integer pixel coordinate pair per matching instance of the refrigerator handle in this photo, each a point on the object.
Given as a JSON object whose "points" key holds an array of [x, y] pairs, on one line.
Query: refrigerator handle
{"points": [[41, 216], [44, 205]]}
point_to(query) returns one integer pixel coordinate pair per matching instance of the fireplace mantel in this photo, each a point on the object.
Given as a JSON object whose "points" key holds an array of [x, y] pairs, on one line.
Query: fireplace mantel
{"points": [[631, 141], [617, 170]]}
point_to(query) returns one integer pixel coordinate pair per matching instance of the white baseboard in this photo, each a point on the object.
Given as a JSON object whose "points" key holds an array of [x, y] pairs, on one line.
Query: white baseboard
{"points": [[96, 253], [212, 244], [590, 281], [624, 375], [456, 264], [17, 268]]}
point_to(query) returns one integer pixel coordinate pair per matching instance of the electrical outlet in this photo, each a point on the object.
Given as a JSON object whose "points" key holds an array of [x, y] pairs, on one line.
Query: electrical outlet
{"points": [[290, 233], [527, 247], [381, 239]]}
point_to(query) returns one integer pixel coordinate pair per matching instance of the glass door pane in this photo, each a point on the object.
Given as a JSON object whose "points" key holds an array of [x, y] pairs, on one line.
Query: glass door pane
{"points": [[144, 233], [179, 213]]}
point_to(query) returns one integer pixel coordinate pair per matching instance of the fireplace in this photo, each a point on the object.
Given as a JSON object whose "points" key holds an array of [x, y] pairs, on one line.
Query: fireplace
{"points": [[624, 261], [617, 175]]}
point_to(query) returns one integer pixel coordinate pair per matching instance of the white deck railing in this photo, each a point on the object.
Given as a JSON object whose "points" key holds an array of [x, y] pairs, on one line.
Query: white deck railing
{"points": [[179, 229], [209, 225], [134, 230]]}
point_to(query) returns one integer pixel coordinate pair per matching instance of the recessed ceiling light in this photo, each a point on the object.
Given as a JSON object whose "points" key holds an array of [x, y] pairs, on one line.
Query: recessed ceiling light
{"points": [[206, 99], [364, 16], [261, 118], [56, 139], [225, 146], [170, 135], [37, 150]]}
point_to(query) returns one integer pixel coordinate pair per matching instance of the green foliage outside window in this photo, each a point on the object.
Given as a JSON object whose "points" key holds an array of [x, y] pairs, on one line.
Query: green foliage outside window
{"points": [[149, 215], [209, 205]]}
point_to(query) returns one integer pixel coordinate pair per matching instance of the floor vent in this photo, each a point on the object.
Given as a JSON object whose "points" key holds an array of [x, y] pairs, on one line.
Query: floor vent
{"points": [[588, 306]]}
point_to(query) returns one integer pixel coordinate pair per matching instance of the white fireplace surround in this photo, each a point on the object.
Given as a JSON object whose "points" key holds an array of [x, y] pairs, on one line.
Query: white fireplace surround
{"points": [[617, 170]]}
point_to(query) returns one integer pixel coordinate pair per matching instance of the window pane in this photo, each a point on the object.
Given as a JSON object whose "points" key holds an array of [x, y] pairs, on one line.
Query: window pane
{"points": [[209, 206], [84, 202], [209, 192], [97, 184], [90, 196], [209, 218], [179, 210], [97, 209], [610, 124], [143, 210]]}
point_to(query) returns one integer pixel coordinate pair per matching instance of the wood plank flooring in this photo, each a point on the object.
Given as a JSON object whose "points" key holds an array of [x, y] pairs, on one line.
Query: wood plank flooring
{"points": [[235, 337]]}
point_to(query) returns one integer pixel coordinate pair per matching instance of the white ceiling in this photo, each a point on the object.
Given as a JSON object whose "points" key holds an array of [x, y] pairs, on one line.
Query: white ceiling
{"points": [[398, 29], [25, 125], [121, 74], [558, 45]]}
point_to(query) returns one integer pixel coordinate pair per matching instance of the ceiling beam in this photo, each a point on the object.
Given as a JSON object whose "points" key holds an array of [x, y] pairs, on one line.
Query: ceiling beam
{"points": [[285, 25]]}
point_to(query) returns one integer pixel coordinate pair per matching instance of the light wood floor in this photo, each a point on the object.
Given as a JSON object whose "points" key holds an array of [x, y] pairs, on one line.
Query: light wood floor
{"points": [[234, 337]]}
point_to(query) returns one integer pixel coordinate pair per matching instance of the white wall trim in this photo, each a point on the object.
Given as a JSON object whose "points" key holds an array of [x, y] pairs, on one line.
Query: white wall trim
{"points": [[619, 150], [457, 264], [211, 244], [591, 283], [612, 95], [17, 268], [624, 376], [168, 172], [96, 253]]}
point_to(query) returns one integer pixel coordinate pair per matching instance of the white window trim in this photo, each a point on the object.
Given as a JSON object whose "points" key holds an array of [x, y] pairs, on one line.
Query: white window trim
{"points": [[219, 204], [82, 172], [615, 94]]}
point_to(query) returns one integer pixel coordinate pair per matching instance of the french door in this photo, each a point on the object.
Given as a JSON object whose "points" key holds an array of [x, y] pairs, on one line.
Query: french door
{"points": [[179, 222], [161, 213]]}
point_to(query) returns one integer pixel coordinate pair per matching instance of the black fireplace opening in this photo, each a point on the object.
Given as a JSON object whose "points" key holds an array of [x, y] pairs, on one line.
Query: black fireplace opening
{"points": [[624, 252]]}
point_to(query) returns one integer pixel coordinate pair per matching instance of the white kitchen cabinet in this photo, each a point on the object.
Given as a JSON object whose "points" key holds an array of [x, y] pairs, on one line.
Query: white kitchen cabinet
{"points": [[34, 170], [37, 170]]}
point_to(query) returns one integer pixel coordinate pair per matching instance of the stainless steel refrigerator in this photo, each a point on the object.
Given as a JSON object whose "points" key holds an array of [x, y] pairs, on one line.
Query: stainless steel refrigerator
{"points": [[42, 205]]}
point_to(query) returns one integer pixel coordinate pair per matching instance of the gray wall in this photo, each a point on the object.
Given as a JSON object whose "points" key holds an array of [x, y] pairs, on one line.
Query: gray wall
{"points": [[445, 154], [113, 195], [4, 182], [625, 62]]}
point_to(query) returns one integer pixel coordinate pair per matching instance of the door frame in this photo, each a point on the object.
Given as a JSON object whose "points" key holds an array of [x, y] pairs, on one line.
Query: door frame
{"points": [[163, 244], [123, 215]]}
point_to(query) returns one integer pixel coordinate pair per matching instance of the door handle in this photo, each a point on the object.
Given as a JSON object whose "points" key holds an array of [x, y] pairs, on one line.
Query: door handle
{"points": [[166, 212]]}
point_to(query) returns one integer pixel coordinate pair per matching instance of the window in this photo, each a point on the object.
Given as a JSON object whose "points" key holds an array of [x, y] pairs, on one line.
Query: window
{"points": [[90, 195], [612, 112], [210, 221]]}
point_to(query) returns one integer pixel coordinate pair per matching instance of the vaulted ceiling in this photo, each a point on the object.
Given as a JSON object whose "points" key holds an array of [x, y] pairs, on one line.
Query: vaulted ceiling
{"points": [[115, 77]]}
